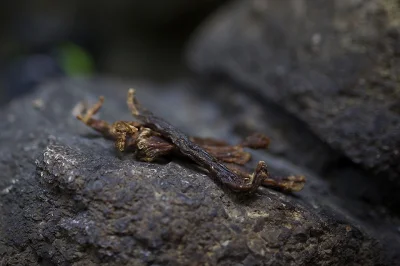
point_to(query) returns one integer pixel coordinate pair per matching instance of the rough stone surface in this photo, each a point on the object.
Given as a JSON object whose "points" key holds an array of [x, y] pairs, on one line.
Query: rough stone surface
{"points": [[68, 198], [333, 64]]}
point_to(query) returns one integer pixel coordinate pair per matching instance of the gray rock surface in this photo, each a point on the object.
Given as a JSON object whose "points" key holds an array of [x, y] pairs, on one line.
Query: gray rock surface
{"points": [[333, 64], [68, 198]]}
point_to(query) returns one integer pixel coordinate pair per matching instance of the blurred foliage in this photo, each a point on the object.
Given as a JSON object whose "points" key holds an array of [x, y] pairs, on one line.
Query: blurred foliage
{"points": [[75, 61]]}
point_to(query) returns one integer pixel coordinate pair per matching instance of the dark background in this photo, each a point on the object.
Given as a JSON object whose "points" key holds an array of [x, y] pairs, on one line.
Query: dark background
{"points": [[40, 40]]}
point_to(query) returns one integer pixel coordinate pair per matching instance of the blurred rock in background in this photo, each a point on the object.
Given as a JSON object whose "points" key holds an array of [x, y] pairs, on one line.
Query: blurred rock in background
{"points": [[333, 65]]}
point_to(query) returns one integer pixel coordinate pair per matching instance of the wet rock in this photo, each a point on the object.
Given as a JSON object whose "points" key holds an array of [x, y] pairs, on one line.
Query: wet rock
{"points": [[68, 198], [335, 65]]}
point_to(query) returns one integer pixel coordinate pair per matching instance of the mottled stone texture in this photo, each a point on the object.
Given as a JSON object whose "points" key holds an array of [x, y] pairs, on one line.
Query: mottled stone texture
{"points": [[67, 198], [334, 64]]}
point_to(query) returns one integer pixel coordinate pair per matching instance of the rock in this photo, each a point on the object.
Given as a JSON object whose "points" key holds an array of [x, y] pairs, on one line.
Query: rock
{"points": [[334, 65], [67, 198]]}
